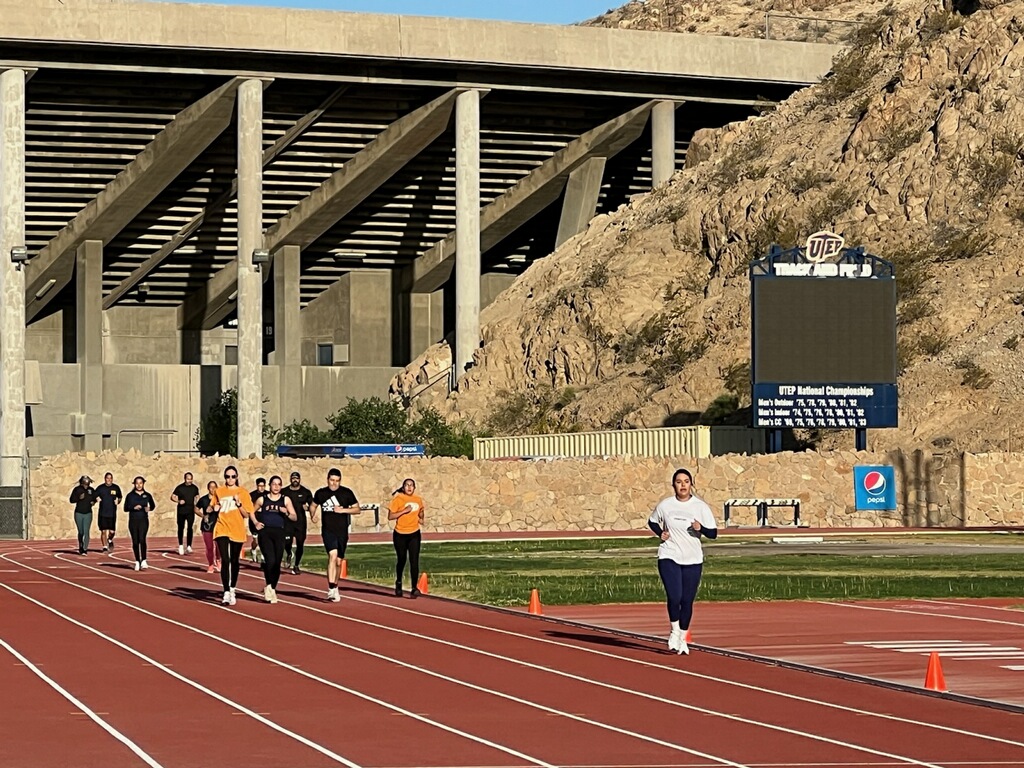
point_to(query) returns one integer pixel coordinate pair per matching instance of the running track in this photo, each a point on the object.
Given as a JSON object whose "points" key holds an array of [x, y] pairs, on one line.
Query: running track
{"points": [[104, 666]]}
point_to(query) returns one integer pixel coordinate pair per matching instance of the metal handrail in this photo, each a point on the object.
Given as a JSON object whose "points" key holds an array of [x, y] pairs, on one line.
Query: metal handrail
{"points": [[769, 15]]}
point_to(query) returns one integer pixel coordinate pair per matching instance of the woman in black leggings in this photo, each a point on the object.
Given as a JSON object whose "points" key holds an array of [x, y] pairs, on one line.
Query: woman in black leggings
{"points": [[406, 510], [138, 504], [272, 509]]}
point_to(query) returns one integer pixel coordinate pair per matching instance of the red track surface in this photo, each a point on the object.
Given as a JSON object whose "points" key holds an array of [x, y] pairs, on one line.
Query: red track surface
{"points": [[377, 681]]}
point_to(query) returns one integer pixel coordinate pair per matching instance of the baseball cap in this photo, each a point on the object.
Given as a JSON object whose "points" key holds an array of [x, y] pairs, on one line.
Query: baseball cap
{"points": [[293, 475]]}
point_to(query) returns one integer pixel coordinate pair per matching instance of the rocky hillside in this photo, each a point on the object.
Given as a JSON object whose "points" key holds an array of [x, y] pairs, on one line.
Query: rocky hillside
{"points": [[819, 20], [913, 147]]}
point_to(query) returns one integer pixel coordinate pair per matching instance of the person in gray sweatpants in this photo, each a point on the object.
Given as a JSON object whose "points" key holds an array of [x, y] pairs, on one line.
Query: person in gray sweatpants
{"points": [[83, 496]]}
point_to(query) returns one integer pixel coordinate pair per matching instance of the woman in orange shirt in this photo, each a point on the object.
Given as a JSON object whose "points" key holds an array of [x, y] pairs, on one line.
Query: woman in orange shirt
{"points": [[230, 532], [406, 510]]}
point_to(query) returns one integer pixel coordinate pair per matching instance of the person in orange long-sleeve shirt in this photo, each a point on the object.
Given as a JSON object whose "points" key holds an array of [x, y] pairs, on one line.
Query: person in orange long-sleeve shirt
{"points": [[406, 509], [230, 531]]}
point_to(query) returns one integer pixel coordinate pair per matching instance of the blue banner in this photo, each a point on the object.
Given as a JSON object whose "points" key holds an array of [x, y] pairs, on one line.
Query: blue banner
{"points": [[352, 451], [825, 406], [874, 487]]}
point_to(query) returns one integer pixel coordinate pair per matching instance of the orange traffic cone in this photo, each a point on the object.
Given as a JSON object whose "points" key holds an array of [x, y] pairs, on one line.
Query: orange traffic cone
{"points": [[421, 584], [344, 569], [934, 680], [535, 603]]}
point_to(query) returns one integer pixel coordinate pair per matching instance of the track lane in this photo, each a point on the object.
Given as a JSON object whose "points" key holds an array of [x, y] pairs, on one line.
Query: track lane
{"points": [[955, 739], [764, 742]]}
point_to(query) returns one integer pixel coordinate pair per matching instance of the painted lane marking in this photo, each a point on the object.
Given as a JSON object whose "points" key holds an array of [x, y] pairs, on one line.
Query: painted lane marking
{"points": [[82, 708]]}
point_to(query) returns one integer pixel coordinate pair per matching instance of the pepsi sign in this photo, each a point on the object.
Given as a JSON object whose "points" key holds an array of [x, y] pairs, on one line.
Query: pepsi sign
{"points": [[874, 487]]}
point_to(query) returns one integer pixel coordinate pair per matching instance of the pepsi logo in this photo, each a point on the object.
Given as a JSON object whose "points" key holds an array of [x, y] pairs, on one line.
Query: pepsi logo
{"points": [[874, 483]]}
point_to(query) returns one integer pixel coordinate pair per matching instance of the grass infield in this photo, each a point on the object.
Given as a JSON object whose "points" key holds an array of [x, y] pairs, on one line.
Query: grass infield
{"points": [[591, 571]]}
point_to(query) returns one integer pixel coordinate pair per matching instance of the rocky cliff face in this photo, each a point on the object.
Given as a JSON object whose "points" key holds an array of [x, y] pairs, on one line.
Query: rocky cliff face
{"points": [[912, 147]]}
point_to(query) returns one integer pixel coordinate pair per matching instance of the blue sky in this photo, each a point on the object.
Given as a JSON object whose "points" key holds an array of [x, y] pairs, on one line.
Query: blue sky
{"points": [[538, 11]]}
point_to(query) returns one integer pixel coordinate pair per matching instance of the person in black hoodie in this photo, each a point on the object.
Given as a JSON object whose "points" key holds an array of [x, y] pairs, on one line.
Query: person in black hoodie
{"points": [[83, 496], [138, 504]]}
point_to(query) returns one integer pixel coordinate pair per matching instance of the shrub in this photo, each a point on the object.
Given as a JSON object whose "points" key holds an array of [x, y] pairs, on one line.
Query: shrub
{"points": [[740, 159], [852, 70], [721, 410], [955, 244], [990, 173], [974, 376], [911, 265], [938, 24], [633, 344], [897, 137], [824, 212], [1012, 342], [597, 277], [917, 308], [522, 413], [218, 429], [807, 179], [736, 378], [933, 343]]}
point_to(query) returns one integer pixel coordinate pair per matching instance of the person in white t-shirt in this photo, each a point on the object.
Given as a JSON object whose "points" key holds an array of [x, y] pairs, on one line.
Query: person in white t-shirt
{"points": [[679, 521]]}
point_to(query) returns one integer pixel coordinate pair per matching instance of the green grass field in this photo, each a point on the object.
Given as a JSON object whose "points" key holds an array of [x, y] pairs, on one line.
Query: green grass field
{"points": [[581, 571]]}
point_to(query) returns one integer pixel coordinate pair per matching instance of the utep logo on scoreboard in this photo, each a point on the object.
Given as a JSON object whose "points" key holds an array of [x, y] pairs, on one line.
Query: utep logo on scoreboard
{"points": [[822, 246], [874, 487]]}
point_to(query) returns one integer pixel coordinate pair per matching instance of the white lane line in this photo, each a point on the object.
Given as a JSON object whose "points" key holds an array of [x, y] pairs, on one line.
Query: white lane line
{"points": [[954, 604], [929, 614], [337, 686], [417, 668], [661, 668], [1014, 667], [139, 752], [585, 680], [213, 694]]}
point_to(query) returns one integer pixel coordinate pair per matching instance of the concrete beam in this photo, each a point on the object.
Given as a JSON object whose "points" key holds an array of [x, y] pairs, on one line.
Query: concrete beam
{"points": [[12, 277], [345, 189], [118, 203], [581, 196], [532, 194], [182, 235]]}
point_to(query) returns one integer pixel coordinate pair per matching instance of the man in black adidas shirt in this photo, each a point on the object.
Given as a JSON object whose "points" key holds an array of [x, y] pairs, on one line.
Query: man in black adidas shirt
{"points": [[338, 504], [300, 497]]}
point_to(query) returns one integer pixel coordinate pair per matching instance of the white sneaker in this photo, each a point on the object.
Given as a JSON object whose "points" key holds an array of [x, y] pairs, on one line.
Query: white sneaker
{"points": [[226, 600], [674, 637], [682, 648], [231, 597], [138, 565], [273, 595], [268, 591], [181, 550], [145, 565], [333, 595], [188, 550]]}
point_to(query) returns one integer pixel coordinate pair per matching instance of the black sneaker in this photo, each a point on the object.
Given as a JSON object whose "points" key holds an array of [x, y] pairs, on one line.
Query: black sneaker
{"points": [[295, 570], [415, 593], [398, 590]]}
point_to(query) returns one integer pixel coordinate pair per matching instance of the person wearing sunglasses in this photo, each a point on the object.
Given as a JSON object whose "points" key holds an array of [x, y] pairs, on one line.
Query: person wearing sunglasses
{"points": [[229, 533]]}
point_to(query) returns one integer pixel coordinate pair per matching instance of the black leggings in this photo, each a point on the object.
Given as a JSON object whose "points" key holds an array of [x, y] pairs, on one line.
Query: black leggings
{"points": [[186, 519], [407, 544], [272, 548], [299, 533], [138, 527], [230, 552], [681, 583]]}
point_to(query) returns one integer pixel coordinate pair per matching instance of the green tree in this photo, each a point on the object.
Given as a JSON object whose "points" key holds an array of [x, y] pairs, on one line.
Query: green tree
{"points": [[218, 430], [369, 421]]}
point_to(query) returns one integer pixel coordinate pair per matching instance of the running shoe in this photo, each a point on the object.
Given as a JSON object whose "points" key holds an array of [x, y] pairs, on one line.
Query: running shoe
{"points": [[216, 568], [333, 595], [181, 550], [415, 593], [231, 597], [145, 565], [138, 566], [398, 590], [209, 569], [111, 545], [188, 550], [674, 638], [226, 600], [682, 648], [273, 595], [295, 570], [267, 590]]}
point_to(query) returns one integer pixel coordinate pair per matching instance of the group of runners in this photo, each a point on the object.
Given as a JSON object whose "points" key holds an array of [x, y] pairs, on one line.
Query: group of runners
{"points": [[273, 519]]}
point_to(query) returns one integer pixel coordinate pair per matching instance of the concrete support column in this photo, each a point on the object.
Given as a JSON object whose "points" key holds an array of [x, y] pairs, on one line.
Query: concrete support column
{"points": [[12, 278], [580, 202], [288, 330], [369, 319], [663, 141], [426, 321], [467, 229], [250, 282], [88, 423]]}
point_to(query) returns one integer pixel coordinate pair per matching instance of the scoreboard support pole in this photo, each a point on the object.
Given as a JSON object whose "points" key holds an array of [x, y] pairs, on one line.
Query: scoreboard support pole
{"points": [[860, 439], [774, 440]]}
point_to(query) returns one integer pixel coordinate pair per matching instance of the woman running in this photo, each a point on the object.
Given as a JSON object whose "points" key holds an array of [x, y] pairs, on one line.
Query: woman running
{"points": [[406, 510], [208, 506], [83, 496], [138, 504], [229, 532], [272, 509], [679, 521]]}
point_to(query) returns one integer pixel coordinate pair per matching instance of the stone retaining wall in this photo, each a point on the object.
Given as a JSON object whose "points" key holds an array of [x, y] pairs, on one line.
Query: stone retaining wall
{"points": [[572, 495]]}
